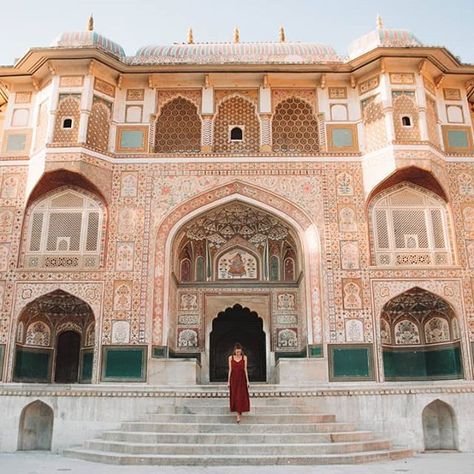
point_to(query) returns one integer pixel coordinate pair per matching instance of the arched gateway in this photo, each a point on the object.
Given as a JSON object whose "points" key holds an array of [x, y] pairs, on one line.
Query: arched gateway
{"points": [[236, 256], [241, 325]]}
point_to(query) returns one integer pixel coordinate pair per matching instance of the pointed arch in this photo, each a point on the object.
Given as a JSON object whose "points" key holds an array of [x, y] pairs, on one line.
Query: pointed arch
{"points": [[178, 127], [36, 427], [236, 110], [64, 228], [412, 174], [440, 430], [295, 127], [308, 239], [409, 225], [417, 340], [47, 318]]}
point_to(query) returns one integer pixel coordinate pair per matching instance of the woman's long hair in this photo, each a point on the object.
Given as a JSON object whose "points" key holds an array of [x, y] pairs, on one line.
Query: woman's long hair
{"points": [[237, 345]]}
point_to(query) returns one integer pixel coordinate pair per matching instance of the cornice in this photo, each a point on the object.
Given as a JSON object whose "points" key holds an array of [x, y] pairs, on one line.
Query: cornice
{"points": [[124, 391]]}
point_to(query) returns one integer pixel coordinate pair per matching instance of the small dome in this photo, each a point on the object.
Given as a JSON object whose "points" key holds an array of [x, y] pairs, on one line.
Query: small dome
{"points": [[88, 39], [383, 38], [236, 53]]}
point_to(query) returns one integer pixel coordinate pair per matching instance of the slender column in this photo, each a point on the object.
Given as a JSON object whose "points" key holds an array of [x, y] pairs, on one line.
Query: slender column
{"points": [[421, 99], [206, 134], [207, 114], [265, 109], [53, 106], [86, 106]]}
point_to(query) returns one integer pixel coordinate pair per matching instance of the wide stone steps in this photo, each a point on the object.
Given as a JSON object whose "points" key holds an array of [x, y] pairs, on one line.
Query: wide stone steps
{"points": [[237, 449], [224, 438], [236, 460], [256, 419], [203, 433], [232, 427]]}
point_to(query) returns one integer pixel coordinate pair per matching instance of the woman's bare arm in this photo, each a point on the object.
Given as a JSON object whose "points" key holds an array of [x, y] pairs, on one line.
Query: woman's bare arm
{"points": [[246, 373], [230, 370]]}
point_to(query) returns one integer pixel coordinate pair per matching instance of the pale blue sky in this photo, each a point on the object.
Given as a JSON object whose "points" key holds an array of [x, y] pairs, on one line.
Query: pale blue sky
{"points": [[135, 23]]}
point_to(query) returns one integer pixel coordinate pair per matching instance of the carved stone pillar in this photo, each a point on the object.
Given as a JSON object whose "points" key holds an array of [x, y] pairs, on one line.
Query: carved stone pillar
{"points": [[265, 133], [206, 134]]}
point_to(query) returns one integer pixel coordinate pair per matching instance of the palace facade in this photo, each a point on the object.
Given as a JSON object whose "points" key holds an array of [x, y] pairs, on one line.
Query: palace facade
{"points": [[157, 208]]}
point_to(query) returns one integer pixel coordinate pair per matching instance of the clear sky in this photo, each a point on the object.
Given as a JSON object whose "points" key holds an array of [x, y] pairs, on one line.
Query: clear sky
{"points": [[135, 23]]}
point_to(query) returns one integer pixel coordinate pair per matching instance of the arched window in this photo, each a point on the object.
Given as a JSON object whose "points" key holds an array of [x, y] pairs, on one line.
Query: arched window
{"points": [[65, 230], [406, 121], [410, 227], [236, 134]]}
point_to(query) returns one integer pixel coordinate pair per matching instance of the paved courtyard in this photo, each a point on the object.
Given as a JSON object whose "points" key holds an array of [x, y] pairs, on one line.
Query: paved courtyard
{"points": [[46, 463]]}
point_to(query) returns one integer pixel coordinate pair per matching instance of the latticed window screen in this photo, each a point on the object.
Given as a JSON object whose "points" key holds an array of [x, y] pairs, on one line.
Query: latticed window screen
{"points": [[410, 228], [65, 224]]}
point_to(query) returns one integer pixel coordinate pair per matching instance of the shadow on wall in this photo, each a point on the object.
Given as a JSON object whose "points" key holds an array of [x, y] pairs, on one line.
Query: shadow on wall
{"points": [[439, 427], [36, 427]]}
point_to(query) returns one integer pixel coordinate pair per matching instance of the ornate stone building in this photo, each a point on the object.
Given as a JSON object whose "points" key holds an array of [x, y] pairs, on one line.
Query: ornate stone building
{"points": [[318, 208]]}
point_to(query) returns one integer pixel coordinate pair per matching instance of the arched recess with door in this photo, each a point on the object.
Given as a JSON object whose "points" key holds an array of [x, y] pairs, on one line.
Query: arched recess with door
{"points": [[236, 253], [421, 338], [55, 339], [440, 431], [35, 432]]}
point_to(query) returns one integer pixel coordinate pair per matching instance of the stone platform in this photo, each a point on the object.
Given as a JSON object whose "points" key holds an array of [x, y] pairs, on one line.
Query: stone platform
{"points": [[84, 412], [201, 432]]}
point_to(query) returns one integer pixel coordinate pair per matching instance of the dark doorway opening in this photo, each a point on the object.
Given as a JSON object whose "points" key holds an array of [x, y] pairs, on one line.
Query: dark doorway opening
{"points": [[233, 325], [67, 357]]}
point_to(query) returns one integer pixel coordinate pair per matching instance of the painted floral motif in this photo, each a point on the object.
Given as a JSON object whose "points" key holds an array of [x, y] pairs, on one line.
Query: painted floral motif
{"points": [[406, 333]]}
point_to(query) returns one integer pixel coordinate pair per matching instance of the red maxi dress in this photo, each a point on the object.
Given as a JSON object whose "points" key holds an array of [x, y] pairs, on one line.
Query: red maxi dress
{"points": [[239, 392]]}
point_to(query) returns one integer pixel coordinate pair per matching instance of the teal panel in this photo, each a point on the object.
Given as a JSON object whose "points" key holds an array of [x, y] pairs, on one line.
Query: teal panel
{"points": [[200, 270], [124, 364], [132, 139], [32, 365], [351, 362], [437, 363], [458, 139], [274, 268], [16, 142], [342, 137], [315, 350], [86, 366], [2, 357]]}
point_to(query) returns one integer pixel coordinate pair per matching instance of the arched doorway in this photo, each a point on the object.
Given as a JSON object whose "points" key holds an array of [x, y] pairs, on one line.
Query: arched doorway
{"points": [[36, 427], [68, 349], [241, 325], [420, 337], [55, 340], [439, 426]]}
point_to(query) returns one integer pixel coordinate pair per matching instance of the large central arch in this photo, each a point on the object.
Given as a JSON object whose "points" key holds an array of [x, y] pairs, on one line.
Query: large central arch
{"points": [[167, 286]]}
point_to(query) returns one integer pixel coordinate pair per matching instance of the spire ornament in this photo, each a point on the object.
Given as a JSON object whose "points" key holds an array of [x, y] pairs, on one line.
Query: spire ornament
{"points": [[190, 39], [236, 35], [379, 22], [90, 23], [282, 35]]}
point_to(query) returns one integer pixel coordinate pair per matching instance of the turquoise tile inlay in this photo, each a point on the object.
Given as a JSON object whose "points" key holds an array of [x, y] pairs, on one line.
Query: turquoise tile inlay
{"points": [[16, 142], [458, 139], [132, 139], [342, 137]]}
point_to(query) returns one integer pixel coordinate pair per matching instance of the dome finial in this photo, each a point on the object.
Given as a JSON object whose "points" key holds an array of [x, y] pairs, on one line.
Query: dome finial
{"points": [[90, 23], [282, 34], [236, 35], [190, 36], [379, 22]]}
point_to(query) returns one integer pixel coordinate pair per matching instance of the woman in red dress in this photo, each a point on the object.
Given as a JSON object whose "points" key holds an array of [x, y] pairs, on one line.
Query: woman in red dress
{"points": [[238, 382]]}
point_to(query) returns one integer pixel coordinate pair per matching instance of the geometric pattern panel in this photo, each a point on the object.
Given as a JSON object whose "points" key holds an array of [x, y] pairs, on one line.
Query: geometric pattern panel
{"points": [[178, 128], [294, 127]]}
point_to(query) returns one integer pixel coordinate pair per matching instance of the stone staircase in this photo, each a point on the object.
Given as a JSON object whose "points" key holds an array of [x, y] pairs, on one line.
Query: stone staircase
{"points": [[202, 432]]}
